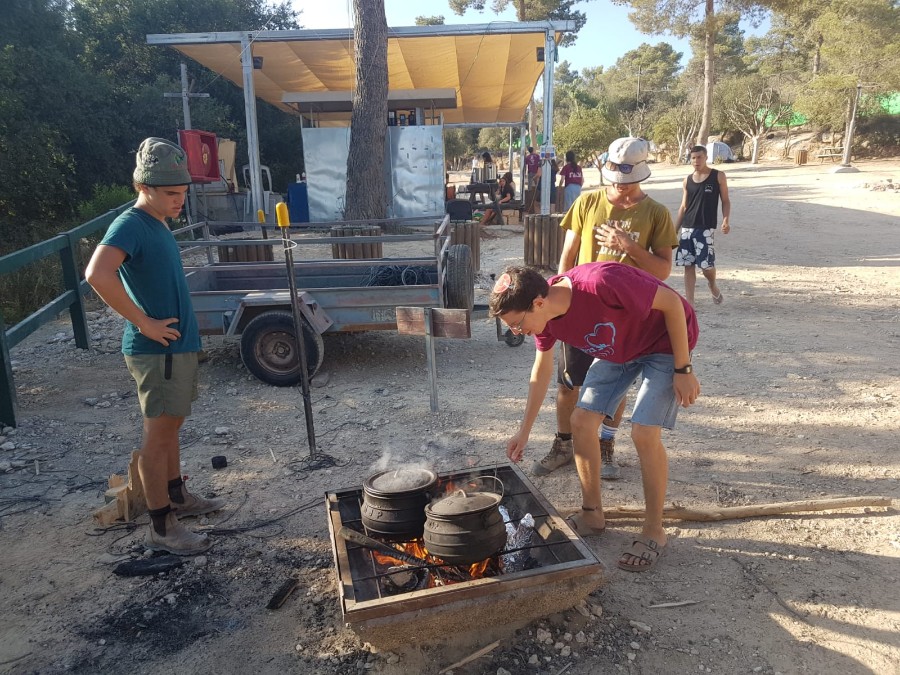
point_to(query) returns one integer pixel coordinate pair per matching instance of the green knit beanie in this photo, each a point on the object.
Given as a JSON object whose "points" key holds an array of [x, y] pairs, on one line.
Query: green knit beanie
{"points": [[161, 163]]}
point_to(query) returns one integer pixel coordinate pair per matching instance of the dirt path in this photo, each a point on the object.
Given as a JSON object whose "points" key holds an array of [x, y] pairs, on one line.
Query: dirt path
{"points": [[800, 401]]}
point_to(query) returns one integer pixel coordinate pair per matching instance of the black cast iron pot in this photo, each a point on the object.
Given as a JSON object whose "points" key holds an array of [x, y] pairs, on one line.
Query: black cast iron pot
{"points": [[394, 501], [464, 527]]}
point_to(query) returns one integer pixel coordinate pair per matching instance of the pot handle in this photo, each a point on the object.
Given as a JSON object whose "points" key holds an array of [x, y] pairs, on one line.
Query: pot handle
{"points": [[501, 492]]}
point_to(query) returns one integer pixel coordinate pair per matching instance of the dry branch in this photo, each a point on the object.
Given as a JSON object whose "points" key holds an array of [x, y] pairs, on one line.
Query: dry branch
{"points": [[471, 657], [752, 511]]}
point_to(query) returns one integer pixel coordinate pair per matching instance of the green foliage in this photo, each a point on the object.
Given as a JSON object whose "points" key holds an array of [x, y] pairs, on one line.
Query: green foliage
{"points": [[588, 133], [437, 20], [730, 50], [30, 288], [676, 127], [641, 76], [825, 101], [494, 139], [104, 198], [570, 94], [530, 10]]}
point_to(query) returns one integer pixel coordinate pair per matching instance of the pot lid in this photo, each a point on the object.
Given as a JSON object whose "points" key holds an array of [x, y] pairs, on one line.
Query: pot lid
{"points": [[401, 480], [461, 502]]}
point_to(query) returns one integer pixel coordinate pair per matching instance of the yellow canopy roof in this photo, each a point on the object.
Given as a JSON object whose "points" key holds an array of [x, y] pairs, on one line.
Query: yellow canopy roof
{"points": [[492, 68]]}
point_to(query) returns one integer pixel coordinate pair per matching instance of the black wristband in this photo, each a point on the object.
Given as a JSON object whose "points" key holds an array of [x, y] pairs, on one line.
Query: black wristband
{"points": [[687, 370]]}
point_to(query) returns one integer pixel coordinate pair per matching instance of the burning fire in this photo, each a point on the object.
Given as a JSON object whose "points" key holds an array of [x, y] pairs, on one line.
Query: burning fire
{"points": [[417, 548]]}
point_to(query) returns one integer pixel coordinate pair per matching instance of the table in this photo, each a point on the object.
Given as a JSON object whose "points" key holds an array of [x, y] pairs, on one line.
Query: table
{"points": [[483, 191], [832, 153]]}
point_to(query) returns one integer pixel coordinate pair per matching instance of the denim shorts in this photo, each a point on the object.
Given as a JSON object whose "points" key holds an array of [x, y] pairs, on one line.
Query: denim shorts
{"points": [[607, 383], [166, 383]]}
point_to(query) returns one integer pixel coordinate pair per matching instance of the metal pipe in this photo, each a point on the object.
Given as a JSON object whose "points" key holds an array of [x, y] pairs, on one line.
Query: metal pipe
{"points": [[547, 185], [256, 191], [367, 542], [281, 213]]}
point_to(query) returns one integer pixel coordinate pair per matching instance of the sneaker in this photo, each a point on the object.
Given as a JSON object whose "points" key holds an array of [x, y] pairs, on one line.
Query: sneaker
{"points": [[196, 506], [609, 469], [178, 540], [562, 453]]}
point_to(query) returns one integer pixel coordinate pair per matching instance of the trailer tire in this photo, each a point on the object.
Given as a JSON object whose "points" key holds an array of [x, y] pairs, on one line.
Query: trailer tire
{"points": [[460, 278], [269, 348], [513, 340]]}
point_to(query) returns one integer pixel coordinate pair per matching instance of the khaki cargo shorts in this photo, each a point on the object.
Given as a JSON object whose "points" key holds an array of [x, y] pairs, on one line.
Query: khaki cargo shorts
{"points": [[166, 383]]}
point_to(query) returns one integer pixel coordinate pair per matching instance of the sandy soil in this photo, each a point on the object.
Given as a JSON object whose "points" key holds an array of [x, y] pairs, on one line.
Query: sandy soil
{"points": [[800, 401]]}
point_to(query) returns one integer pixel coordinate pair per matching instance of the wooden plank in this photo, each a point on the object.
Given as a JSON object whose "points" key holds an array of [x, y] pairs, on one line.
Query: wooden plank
{"points": [[126, 495], [447, 323]]}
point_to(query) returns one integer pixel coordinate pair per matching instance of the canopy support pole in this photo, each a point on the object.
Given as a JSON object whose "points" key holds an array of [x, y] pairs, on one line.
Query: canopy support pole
{"points": [[548, 150], [256, 193]]}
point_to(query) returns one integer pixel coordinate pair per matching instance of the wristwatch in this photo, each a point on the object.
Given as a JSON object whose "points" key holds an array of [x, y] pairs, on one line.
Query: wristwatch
{"points": [[688, 369]]}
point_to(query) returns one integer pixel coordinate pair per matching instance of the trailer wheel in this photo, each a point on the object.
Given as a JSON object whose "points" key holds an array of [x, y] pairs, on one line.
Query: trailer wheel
{"points": [[460, 278], [269, 348], [513, 340]]}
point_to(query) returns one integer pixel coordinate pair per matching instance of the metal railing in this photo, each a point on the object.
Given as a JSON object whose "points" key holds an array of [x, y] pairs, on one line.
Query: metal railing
{"points": [[75, 288]]}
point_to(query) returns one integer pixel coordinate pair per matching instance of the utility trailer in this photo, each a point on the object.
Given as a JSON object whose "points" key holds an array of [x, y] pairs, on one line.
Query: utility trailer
{"points": [[252, 299]]}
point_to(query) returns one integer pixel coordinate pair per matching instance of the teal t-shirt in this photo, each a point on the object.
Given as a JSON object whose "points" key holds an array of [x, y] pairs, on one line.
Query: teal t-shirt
{"points": [[154, 278]]}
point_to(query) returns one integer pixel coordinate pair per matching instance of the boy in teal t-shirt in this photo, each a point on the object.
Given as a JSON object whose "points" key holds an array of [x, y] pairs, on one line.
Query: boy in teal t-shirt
{"points": [[137, 271]]}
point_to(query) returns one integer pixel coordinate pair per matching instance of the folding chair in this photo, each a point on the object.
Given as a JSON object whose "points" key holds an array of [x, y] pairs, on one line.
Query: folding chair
{"points": [[459, 210]]}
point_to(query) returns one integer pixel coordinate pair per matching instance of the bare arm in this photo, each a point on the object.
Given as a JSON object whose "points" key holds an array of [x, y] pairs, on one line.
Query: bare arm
{"points": [[570, 252], [726, 203], [541, 373], [683, 207], [667, 301], [101, 274]]}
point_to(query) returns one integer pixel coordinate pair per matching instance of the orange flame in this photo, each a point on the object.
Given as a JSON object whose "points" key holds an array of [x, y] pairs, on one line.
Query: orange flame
{"points": [[416, 548]]}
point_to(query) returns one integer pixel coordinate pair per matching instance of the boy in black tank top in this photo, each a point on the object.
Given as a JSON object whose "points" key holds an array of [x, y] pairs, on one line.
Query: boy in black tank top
{"points": [[697, 220]]}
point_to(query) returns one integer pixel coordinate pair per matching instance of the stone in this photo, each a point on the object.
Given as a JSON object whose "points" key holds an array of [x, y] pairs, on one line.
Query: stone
{"points": [[9, 445], [642, 627], [222, 431]]}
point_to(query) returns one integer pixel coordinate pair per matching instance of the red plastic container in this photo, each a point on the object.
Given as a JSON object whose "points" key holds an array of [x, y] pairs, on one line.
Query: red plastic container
{"points": [[202, 150]]}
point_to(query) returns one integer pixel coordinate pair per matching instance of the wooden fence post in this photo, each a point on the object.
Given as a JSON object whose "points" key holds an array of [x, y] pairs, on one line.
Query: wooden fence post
{"points": [[7, 385], [72, 281]]}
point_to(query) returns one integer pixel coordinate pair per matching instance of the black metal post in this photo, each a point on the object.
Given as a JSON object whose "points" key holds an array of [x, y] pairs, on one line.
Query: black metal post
{"points": [[281, 213]]}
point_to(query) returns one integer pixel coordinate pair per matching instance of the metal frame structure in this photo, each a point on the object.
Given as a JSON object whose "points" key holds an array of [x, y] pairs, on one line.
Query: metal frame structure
{"points": [[248, 38]]}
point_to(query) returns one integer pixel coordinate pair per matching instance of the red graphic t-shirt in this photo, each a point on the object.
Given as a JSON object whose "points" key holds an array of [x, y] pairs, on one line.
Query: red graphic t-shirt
{"points": [[610, 317], [532, 162], [572, 175]]}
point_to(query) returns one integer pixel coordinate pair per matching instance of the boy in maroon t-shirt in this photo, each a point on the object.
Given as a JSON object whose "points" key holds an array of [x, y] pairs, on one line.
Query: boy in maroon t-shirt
{"points": [[635, 327]]}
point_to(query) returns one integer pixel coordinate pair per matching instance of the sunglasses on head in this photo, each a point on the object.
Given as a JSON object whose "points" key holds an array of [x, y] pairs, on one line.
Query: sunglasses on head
{"points": [[622, 168]]}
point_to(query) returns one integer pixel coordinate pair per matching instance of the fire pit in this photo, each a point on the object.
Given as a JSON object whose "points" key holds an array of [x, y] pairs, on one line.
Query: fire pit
{"points": [[431, 601]]}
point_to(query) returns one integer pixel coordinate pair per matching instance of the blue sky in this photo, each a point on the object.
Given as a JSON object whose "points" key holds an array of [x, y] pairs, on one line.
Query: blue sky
{"points": [[607, 35]]}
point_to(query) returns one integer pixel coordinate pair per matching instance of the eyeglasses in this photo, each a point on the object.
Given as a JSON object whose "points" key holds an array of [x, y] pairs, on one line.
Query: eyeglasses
{"points": [[518, 327], [622, 168]]}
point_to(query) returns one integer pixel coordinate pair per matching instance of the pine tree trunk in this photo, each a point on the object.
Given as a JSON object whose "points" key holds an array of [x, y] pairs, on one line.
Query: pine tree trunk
{"points": [[817, 57], [708, 74], [366, 191]]}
